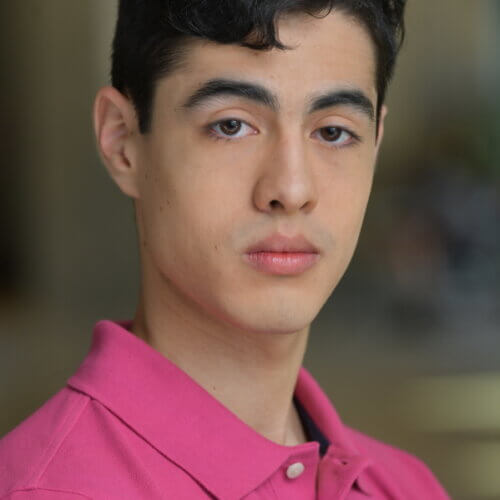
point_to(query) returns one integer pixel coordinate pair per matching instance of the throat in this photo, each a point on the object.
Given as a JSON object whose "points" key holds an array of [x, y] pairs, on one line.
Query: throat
{"points": [[296, 432]]}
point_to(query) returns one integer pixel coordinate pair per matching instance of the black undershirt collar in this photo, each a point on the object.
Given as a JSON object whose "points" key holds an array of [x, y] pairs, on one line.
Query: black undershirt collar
{"points": [[311, 430]]}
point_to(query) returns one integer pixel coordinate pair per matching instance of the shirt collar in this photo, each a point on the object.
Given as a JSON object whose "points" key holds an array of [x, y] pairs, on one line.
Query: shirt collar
{"points": [[183, 421]]}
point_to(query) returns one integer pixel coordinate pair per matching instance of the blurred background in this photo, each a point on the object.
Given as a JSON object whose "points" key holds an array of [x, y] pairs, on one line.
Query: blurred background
{"points": [[408, 346]]}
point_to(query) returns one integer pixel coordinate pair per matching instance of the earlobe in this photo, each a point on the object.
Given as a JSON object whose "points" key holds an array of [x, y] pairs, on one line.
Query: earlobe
{"points": [[115, 127]]}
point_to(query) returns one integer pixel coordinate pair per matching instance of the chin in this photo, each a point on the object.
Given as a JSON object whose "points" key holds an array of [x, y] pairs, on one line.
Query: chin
{"points": [[278, 316]]}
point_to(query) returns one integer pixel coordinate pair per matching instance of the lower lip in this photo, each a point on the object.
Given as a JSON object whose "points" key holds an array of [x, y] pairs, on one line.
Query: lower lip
{"points": [[285, 263]]}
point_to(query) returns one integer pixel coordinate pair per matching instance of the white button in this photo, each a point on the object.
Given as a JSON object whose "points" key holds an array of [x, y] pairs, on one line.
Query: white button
{"points": [[295, 470]]}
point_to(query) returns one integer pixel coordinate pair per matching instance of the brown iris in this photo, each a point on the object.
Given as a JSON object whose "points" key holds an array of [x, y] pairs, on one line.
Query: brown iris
{"points": [[331, 133], [230, 127]]}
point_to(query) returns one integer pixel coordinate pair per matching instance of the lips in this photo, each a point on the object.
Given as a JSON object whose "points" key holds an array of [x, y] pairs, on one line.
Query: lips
{"points": [[283, 244], [282, 255]]}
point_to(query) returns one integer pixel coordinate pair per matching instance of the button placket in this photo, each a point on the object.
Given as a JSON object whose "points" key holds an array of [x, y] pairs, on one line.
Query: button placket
{"points": [[295, 470], [338, 472]]}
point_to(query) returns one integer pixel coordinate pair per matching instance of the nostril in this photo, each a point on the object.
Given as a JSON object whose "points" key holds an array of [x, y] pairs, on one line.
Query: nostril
{"points": [[275, 203]]}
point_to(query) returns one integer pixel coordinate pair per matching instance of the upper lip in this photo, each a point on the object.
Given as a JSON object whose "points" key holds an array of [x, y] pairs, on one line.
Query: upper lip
{"points": [[280, 243]]}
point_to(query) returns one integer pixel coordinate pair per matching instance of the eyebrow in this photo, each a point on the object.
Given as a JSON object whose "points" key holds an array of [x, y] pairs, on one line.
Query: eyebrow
{"points": [[354, 98], [255, 92]]}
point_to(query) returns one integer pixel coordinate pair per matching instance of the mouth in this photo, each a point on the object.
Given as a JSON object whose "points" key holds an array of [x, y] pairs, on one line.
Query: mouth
{"points": [[282, 255]]}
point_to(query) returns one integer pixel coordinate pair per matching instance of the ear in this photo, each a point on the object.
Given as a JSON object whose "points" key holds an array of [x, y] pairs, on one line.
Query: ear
{"points": [[380, 135], [117, 133]]}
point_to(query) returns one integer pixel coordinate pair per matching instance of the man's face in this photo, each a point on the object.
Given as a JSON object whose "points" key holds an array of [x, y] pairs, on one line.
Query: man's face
{"points": [[220, 173]]}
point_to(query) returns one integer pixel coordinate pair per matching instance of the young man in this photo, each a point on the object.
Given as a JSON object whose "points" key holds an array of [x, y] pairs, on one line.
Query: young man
{"points": [[247, 135]]}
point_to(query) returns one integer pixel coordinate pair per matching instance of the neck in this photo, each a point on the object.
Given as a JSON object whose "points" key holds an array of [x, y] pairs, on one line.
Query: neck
{"points": [[253, 374]]}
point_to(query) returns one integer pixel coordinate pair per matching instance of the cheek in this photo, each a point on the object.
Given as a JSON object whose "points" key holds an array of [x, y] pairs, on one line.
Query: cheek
{"points": [[189, 210], [344, 196]]}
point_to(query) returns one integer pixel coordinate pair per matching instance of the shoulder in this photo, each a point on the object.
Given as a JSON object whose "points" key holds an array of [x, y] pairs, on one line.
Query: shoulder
{"points": [[398, 469], [75, 447], [28, 449], [42, 494]]}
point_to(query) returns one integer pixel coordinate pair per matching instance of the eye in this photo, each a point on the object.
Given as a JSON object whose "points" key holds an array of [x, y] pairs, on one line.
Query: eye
{"points": [[230, 128], [337, 137]]}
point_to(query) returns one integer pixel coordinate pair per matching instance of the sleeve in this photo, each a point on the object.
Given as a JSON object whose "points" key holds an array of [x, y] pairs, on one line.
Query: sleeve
{"points": [[43, 494]]}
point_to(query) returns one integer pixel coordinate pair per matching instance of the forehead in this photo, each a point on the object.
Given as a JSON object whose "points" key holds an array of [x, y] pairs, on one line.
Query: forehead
{"points": [[334, 49]]}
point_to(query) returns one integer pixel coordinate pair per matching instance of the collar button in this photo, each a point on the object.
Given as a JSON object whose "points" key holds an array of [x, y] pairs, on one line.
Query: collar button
{"points": [[295, 470]]}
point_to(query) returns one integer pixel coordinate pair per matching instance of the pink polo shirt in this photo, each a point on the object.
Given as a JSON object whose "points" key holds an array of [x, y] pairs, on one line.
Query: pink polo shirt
{"points": [[130, 424]]}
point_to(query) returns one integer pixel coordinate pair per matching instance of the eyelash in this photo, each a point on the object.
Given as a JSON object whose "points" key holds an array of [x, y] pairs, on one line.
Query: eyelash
{"points": [[355, 138]]}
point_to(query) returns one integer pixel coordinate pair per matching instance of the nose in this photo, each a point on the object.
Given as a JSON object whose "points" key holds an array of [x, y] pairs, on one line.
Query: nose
{"points": [[285, 183]]}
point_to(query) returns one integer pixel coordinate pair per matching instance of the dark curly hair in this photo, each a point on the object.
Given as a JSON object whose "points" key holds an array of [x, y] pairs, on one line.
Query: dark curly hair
{"points": [[151, 35]]}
